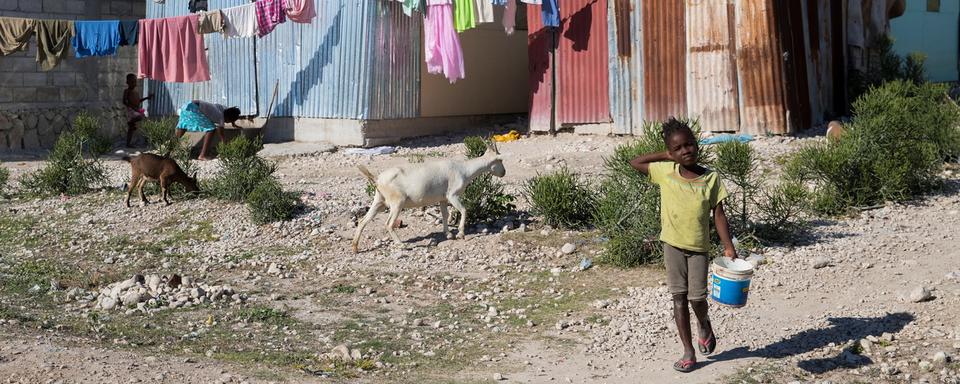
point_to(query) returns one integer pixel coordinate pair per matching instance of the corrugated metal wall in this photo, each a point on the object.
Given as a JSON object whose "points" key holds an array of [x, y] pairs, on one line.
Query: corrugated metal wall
{"points": [[664, 59], [725, 63], [759, 67], [540, 47], [582, 67], [626, 73], [357, 60], [396, 72], [580, 49], [711, 69]]}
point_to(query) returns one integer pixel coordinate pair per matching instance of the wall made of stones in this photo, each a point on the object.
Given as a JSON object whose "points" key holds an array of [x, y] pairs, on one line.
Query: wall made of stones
{"points": [[51, 98]]}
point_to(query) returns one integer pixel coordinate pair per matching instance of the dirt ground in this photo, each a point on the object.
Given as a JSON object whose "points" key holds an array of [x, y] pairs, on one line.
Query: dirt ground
{"points": [[502, 305]]}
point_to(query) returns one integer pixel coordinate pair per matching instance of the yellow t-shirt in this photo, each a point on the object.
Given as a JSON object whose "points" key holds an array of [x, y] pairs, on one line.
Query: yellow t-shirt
{"points": [[685, 205]]}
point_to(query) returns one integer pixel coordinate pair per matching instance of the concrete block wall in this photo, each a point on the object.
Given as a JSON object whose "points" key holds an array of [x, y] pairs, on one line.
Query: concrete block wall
{"points": [[91, 84]]}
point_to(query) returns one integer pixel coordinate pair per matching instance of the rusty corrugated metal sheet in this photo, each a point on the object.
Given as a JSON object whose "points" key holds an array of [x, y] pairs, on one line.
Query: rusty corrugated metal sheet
{"points": [[664, 59], [789, 23], [582, 67], [821, 61], [712, 74], [759, 69], [540, 45]]}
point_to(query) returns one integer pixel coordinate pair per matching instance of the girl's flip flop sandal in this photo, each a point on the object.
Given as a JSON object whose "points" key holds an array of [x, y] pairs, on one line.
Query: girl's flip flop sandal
{"points": [[685, 366]]}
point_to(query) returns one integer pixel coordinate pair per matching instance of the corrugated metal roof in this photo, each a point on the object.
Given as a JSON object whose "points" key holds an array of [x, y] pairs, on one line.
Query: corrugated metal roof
{"points": [[664, 59], [711, 72], [759, 68], [583, 81]]}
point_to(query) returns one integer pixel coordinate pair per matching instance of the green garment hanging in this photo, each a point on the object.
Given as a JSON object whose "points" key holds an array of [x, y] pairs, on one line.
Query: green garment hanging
{"points": [[463, 17], [53, 42]]}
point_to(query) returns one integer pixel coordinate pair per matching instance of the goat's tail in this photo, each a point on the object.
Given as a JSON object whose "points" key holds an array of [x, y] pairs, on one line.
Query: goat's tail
{"points": [[366, 172]]}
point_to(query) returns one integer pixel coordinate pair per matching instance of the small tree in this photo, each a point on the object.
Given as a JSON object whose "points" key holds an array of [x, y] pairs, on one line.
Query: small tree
{"points": [[74, 166]]}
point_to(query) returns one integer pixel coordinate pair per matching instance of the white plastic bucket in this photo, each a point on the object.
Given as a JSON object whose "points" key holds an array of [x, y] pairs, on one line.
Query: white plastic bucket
{"points": [[730, 281]]}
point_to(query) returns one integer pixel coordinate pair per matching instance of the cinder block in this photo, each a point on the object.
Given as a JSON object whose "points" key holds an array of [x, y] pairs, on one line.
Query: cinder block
{"points": [[9, 80], [48, 94], [38, 79], [25, 95], [31, 6], [52, 6], [75, 6], [19, 64], [64, 79], [72, 94], [120, 8], [8, 5]]}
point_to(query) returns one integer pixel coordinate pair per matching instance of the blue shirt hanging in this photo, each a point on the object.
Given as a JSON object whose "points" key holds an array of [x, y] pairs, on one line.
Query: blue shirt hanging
{"points": [[550, 10], [128, 31], [96, 38]]}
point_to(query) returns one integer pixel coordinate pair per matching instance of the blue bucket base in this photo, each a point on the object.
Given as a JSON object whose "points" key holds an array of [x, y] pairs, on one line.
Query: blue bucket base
{"points": [[729, 292]]}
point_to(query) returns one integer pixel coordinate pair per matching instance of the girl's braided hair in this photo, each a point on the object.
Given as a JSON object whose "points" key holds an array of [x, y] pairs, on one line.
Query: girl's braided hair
{"points": [[673, 126]]}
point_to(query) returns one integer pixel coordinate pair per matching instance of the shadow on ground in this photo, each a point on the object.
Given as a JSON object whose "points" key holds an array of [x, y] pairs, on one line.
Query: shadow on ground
{"points": [[840, 331]]}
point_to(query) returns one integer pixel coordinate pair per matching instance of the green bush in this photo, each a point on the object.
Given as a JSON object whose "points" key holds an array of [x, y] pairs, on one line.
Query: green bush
{"points": [[246, 177], [476, 146], [241, 170], [269, 203], [893, 150], [561, 198], [738, 167], [73, 166], [628, 207], [485, 198]]}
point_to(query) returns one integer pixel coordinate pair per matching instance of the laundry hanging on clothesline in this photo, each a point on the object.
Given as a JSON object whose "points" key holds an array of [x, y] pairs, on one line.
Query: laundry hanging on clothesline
{"points": [[96, 38], [441, 45], [270, 14], [170, 49]]}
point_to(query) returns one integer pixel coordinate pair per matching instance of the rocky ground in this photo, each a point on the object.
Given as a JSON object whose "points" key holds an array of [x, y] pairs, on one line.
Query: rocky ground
{"points": [[96, 292]]}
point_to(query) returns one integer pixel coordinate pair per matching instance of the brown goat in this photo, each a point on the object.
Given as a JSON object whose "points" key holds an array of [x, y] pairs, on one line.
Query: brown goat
{"points": [[150, 167]]}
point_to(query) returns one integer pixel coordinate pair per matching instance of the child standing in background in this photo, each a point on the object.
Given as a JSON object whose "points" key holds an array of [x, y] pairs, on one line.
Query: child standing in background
{"points": [[133, 103], [689, 193]]}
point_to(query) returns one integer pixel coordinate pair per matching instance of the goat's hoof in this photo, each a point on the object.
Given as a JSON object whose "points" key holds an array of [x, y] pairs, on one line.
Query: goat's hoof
{"points": [[450, 236]]}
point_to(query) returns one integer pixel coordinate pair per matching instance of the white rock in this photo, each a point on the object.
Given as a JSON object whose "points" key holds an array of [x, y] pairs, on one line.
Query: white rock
{"points": [[941, 358], [274, 269], [492, 311], [568, 248], [920, 294], [498, 376], [820, 262], [555, 271], [342, 352], [131, 298], [107, 302], [925, 366], [756, 260]]}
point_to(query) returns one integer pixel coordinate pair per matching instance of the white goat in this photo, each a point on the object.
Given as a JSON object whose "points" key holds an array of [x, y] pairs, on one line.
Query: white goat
{"points": [[419, 185]]}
